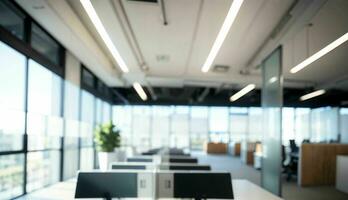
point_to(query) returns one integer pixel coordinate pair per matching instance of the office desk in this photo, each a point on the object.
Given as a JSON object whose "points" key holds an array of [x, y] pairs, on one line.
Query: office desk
{"points": [[243, 190]]}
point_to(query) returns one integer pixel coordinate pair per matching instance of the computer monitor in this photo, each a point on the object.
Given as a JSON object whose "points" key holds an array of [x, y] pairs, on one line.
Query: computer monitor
{"points": [[203, 185], [190, 167], [132, 167], [139, 159], [106, 185], [183, 160]]}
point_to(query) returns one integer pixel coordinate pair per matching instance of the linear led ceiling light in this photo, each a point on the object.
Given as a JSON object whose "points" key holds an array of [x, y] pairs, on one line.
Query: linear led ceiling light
{"points": [[87, 5], [231, 16], [312, 95], [320, 53], [140, 91], [242, 92]]}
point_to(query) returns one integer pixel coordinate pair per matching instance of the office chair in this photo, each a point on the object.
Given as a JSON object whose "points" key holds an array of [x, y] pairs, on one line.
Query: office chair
{"points": [[293, 146], [290, 168]]}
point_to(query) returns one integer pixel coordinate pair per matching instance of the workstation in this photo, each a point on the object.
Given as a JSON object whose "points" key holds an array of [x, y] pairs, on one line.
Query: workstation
{"points": [[174, 99]]}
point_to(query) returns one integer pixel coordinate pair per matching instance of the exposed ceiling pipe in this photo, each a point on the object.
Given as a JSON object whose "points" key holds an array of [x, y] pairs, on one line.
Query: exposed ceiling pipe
{"points": [[129, 33], [163, 10], [279, 27], [203, 95], [151, 91], [300, 13], [194, 35]]}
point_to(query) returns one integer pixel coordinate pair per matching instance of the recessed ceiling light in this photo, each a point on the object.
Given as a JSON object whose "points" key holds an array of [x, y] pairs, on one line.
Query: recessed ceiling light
{"points": [[87, 5], [320, 53], [312, 95], [140, 91], [242, 92], [231, 16]]}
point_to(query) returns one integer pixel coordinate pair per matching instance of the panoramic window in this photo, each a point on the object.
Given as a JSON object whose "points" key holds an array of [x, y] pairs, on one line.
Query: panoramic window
{"points": [[45, 126], [12, 98]]}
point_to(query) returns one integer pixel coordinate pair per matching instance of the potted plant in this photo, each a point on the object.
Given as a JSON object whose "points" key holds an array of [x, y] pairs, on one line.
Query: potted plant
{"points": [[107, 139]]}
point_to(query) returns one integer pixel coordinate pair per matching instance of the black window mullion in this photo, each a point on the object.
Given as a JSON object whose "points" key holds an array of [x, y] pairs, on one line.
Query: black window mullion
{"points": [[79, 136], [94, 125], [62, 138], [25, 136]]}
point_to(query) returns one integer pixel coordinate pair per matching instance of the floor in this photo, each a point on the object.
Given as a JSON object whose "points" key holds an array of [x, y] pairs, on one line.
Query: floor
{"points": [[290, 189], [218, 162]]}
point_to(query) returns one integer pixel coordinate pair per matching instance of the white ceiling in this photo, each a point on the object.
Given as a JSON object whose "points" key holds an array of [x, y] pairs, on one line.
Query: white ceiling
{"points": [[326, 26], [175, 53]]}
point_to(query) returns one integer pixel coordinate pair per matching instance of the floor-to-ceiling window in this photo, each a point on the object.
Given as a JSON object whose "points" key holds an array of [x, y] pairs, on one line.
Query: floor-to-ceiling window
{"points": [[45, 126], [12, 121], [218, 124], [343, 125], [141, 127], [199, 127], [122, 119], [107, 112], [288, 125], [255, 124], [44, 135], [86, 130], [160, 126], [238, 124], [71, 130], [179, 127], [324, 124]]}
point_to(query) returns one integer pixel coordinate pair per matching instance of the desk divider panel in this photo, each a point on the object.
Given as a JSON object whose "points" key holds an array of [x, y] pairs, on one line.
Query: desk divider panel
{"points": [[135, 184]]}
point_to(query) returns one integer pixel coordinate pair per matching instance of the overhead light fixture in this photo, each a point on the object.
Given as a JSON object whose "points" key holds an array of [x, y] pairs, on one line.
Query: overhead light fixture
{"points": [[231, 16], [140, 91], [312, 95], [320, 53], [87, 5], [242, 92]]}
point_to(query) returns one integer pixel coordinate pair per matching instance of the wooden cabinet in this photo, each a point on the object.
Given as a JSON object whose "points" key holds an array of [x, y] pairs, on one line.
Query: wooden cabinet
{"points": [[317, 165]]}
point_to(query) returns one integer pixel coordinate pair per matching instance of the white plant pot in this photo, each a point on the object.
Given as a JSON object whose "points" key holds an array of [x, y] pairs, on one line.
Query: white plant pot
{"points": [[106, 158]]}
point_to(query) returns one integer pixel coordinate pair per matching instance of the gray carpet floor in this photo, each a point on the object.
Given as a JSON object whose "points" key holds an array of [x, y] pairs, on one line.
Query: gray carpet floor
{"points": [[290, 190]]}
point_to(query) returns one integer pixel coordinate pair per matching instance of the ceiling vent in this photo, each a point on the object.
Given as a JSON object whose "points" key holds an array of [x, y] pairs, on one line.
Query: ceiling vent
{"points": [[221, 68], [162, 58]]}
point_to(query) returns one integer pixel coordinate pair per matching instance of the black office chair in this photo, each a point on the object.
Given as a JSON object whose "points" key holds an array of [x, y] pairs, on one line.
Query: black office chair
{"points": [[290, 169], [293, 146]]}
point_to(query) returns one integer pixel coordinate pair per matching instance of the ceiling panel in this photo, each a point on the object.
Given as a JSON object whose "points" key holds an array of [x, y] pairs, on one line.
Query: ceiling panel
{"points": [[165, 48]]}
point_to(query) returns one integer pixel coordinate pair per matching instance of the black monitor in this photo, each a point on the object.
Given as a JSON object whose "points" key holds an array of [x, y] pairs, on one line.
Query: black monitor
{"points": [[132, 167], [190, 167], [203, 185], [183, 160], [106, 185], [139, 159]]}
